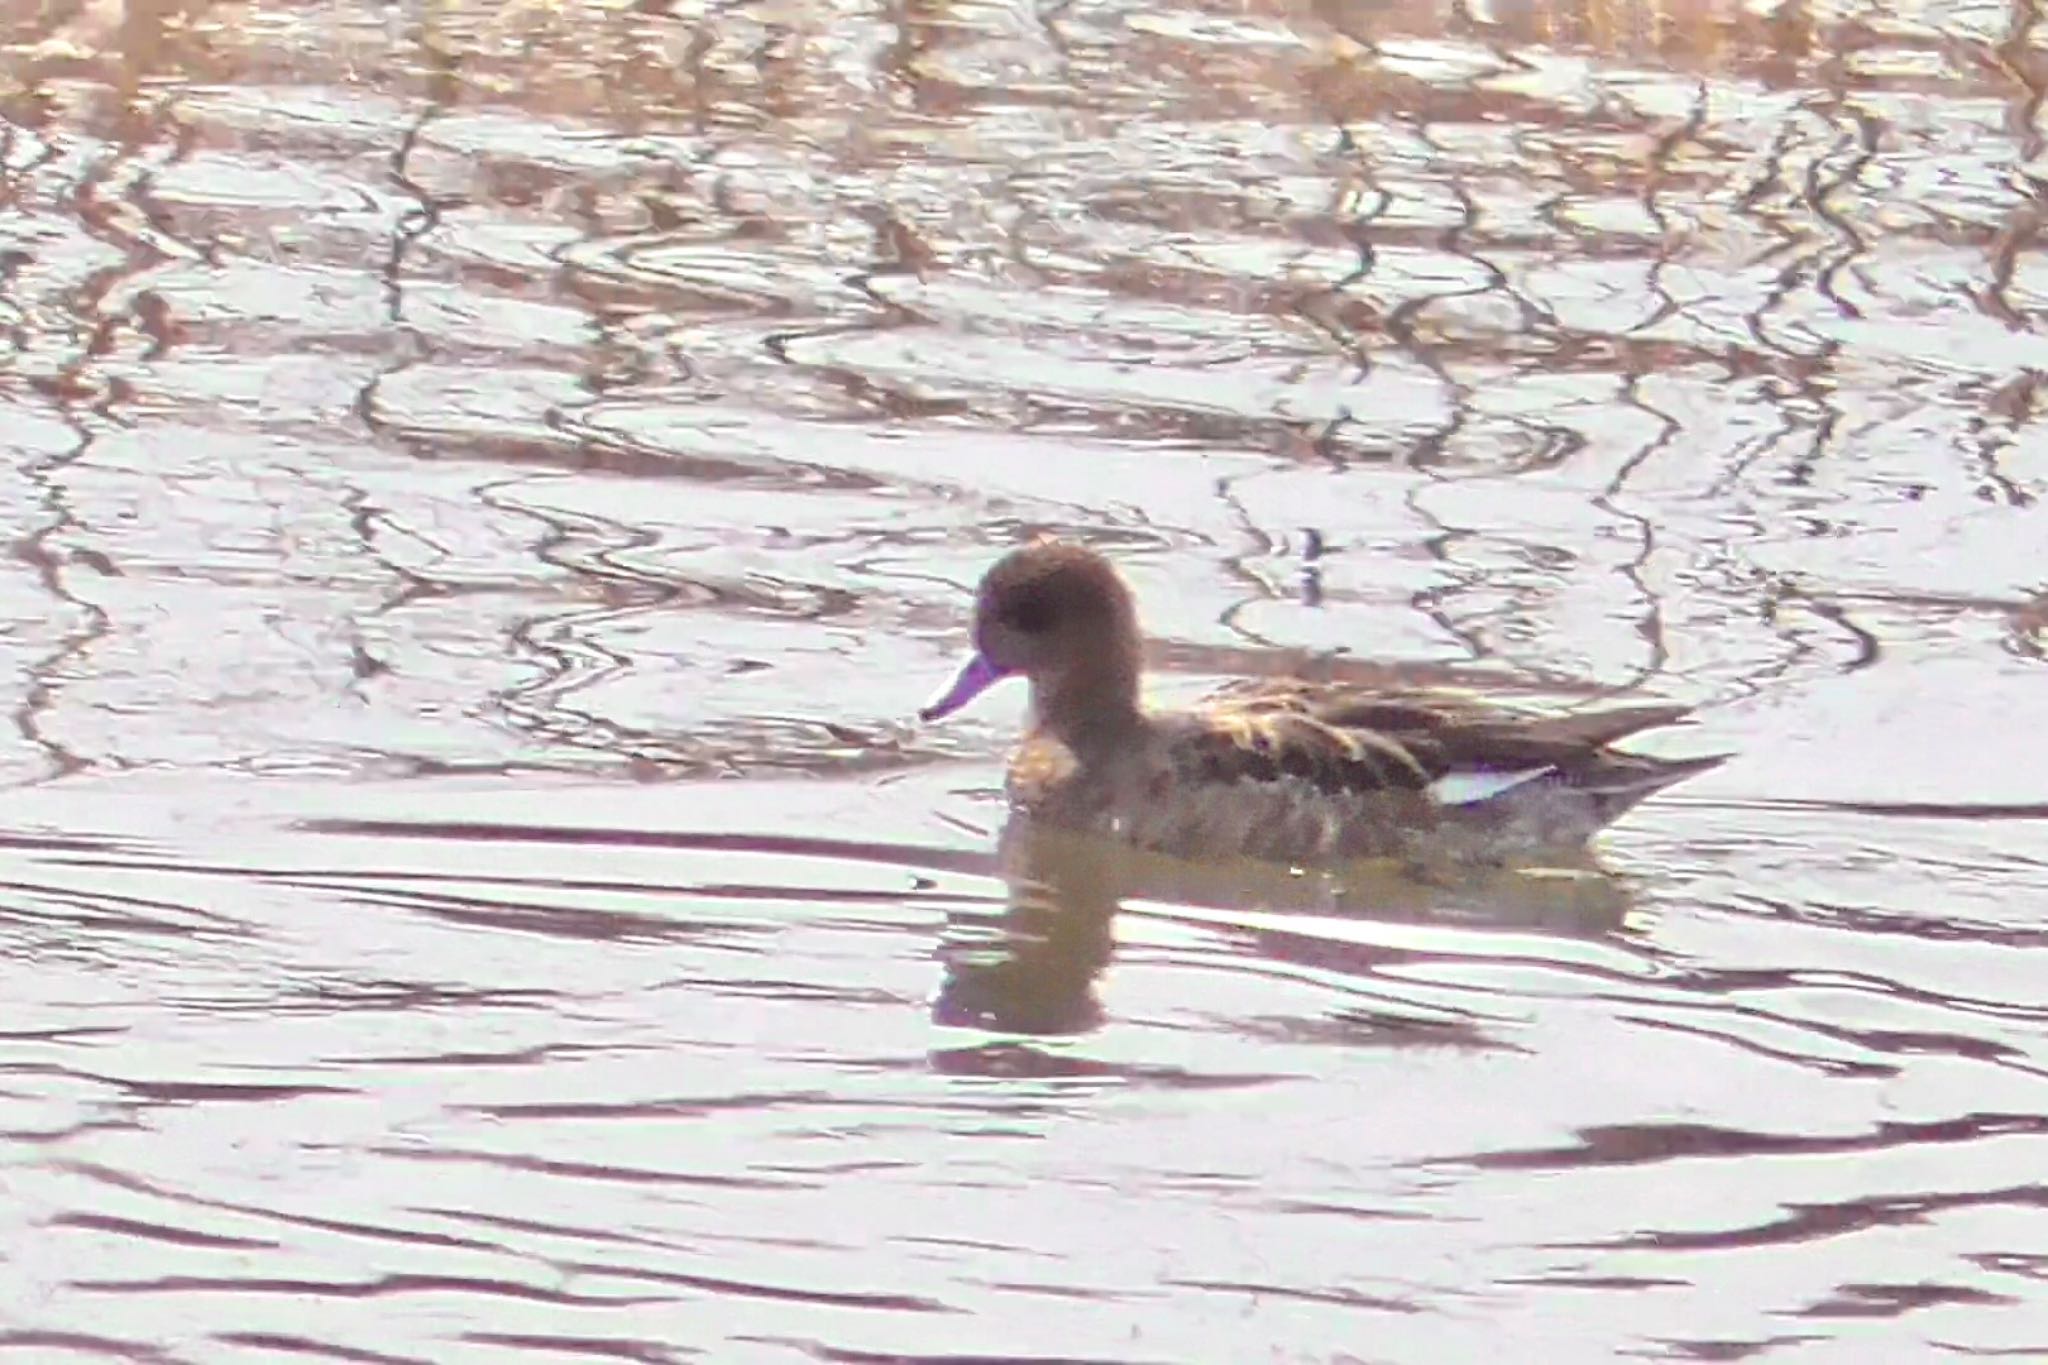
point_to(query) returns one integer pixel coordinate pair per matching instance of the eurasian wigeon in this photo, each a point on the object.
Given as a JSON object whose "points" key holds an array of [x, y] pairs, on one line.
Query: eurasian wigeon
{"points": [[1286, 771]]}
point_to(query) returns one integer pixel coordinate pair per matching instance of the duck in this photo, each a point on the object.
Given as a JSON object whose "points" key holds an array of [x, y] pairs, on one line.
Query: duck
{"points": [[1280, 770]]}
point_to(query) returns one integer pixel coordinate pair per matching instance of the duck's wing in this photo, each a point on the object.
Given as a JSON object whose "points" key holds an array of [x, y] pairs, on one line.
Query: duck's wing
{"points": [[1454, 728], [1225, 744], [1474, 750], [1281, 785]]}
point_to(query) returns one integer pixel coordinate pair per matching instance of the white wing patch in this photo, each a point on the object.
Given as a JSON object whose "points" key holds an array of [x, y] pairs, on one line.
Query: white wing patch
{"points": [[1471, 788]]}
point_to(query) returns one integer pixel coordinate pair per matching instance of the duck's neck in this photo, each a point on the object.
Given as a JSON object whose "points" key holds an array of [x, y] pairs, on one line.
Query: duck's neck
{"points": [[1091, 707]]}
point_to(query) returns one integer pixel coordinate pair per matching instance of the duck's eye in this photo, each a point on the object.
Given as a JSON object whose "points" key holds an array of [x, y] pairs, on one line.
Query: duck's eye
{"points": [[1029, 615]]}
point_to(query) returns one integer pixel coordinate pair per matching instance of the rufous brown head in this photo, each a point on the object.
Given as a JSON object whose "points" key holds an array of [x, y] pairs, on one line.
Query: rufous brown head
{"points": [[1049, 611]]}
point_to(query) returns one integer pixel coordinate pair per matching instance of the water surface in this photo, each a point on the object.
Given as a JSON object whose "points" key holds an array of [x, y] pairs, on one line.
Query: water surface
{"points": [[491, 483]]}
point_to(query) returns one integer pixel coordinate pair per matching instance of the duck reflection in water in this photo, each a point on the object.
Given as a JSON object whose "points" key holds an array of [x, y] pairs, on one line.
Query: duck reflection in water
{"points": [[1031, 966], [1270, 794]]}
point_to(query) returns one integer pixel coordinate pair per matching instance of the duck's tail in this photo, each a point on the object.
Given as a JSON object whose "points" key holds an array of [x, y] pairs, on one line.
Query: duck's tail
{"points": [[1558, 806], [1615, 782], [1571, 783]]}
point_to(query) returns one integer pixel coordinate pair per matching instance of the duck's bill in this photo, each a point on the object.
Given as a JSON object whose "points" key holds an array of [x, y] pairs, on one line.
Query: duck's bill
{"points": [[975, 678]]}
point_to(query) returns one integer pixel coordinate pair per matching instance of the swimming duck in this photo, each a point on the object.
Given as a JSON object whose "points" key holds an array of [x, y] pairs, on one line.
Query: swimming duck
{"points": [[1288, 771]]}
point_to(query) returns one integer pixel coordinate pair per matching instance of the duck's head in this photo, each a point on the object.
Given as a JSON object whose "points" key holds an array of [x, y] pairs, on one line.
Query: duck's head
{"points": [[1059, 615]]}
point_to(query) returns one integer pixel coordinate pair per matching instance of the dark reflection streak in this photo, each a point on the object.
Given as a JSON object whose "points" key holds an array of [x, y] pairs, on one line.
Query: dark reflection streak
{"points": [[1941, 602], [1768, 184], [81, 844], [1362, 966], [1346, 1298], [1371, 960], [1650, 625], [1864, 644], [1861, 136], [589, 1170], [1835, 1068], [2011, 241], [162, 1093], [694, 1107], [2028, 637], [633, 1351], [1653, 183], [894, 855], [1912, 925], [1234, 565], [16, 333], [894, 1303], [365, 518], [1325, 310], [1734, 472], [334, 879], [839, 1355], [107, 1120], [86, 1343], [1401, 320], [44, 675], [614, 363], [307, 1346], [1799, 472], [1431, 601], [559, 644], [552, 921], [725, 891], [1895, 1300], [1762, 680], [1917, 810], [1817, 1222], [1903, 1042], [2029, 1354], [381, 1287], [1729, 983], [1646, 1144], [408, 348], [410, 345], [2009, 408], [318, 998], [209, 924], [898, 251], [524, 1057], [74, 387], [75, 1033], [612, 1236], [124, 1180], [1429, 448]]}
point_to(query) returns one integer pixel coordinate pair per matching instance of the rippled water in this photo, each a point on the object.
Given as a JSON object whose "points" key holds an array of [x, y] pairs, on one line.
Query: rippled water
{"points": [[490, 484]]}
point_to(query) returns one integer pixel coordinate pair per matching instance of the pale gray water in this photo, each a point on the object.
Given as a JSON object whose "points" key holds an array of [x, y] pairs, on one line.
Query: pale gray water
{"points": [[491, 483]]}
